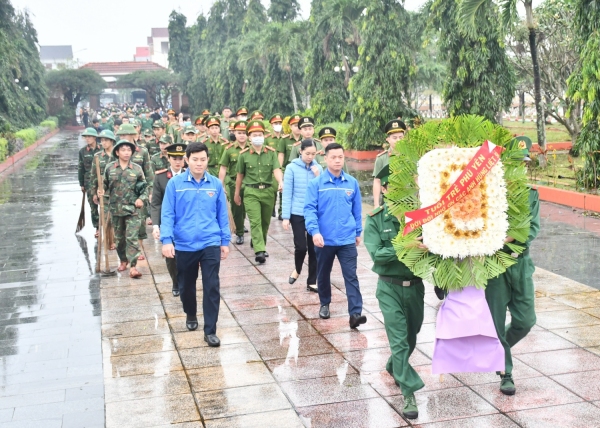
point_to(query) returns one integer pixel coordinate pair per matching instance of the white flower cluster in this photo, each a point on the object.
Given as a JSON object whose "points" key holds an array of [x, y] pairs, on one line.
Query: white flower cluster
{"points": [[477, 225]]}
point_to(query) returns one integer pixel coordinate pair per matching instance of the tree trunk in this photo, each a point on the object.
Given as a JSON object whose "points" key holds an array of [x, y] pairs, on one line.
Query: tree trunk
{"points": [[539, 106], [294, 101]]}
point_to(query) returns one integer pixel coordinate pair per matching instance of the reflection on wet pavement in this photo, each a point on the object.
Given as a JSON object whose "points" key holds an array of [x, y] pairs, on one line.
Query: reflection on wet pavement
{"points": [[279, 364], [50, 353]]}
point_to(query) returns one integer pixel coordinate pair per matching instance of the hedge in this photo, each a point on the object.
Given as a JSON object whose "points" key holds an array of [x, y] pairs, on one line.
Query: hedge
{"points": [[3, 149], [29, 136]]}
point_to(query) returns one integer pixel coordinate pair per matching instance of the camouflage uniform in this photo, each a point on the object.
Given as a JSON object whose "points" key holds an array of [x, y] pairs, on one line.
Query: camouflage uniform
{"points": [[84, 169], [122, 189], [104, 160], [142, 158], [159, 162], [152, 147]]}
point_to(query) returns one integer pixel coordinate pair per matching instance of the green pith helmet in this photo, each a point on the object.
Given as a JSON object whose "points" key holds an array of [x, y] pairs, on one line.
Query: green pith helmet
{"points": [[122, 143], [107, 134], [90, 132], [127, 129], [158, 124]]}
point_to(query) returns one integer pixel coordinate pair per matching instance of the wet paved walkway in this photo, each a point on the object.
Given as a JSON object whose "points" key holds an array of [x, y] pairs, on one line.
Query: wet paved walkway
{"points": [[279, 364]]}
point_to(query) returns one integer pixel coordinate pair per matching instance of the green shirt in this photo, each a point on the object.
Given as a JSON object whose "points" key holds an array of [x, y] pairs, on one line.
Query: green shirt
{"points": [[258, 167], [381, 161], [159, 162], [230, 158], [121, 186], [380, 228], [215, 151]]}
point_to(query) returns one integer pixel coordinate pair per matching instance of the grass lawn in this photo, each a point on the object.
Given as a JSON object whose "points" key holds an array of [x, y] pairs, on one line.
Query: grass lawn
{"points": [[560, 172], [555, 133]]}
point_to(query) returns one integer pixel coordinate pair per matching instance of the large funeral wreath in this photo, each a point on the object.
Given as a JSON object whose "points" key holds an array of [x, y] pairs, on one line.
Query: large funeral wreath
{"points": [[466, 243]]}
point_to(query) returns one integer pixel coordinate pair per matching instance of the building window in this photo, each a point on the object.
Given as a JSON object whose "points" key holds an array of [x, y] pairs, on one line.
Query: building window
{"points": [[164, 47]]}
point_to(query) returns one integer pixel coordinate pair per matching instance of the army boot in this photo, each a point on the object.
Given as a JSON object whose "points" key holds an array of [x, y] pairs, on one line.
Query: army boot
{"points": [[507, 385], [410, 409]]}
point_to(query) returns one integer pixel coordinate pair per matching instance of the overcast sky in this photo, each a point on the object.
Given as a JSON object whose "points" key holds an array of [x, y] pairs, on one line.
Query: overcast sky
{"points": [[110, 30]]}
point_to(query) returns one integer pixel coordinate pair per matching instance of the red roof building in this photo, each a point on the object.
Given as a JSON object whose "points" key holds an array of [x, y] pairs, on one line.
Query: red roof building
{"points": [[113, 70]]}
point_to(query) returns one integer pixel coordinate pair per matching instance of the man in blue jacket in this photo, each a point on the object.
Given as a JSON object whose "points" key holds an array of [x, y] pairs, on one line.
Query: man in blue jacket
{"points": [[332, 213], [195, 229]]}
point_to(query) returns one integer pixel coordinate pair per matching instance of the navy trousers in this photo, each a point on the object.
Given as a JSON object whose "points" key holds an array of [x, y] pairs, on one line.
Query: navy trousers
{"points": [[347, 256], [187, 274]]}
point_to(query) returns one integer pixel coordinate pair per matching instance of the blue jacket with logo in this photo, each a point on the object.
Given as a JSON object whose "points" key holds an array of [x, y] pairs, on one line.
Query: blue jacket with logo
{"points": [[194, 215], [333, 208], [296, 178]]}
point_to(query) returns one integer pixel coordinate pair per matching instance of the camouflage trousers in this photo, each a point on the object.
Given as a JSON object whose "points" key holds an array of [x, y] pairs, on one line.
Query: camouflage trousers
{"points": [[143, 215], [93, 206], [126, 235]]}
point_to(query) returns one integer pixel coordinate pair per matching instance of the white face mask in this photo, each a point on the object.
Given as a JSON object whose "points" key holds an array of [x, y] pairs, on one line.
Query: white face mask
{"points": [[243, 117], [258, 141], [277, 128]]}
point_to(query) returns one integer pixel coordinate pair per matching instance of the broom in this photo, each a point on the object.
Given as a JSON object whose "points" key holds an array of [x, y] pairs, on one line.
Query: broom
{"points": [[81, 221]]}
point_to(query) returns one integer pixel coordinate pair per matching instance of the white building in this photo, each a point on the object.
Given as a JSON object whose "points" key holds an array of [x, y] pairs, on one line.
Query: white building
{"points": [[158, 42], [55, 57]]}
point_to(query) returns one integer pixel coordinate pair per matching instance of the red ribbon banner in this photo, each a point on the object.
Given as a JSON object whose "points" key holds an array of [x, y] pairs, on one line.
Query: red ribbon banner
{"points": [[484, 160]]}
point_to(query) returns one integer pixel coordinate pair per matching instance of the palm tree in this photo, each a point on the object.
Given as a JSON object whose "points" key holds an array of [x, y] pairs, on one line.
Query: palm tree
{"points": [[469, 13]]}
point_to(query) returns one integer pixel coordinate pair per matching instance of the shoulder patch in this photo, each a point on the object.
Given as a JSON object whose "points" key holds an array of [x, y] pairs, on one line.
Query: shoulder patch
{"points": [[382, 153], [317, 140], [297, 143], [285, 136], [270, 148], [245, 150], [160, 171], [229, 146], [375, 211]]}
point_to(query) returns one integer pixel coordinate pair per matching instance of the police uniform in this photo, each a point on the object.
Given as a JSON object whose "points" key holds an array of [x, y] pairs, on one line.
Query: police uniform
{"points": [[274, 140], [257, 168], [401, 299], [158, 192], [215, 148], [514, 290], [229, 160], [84, 169]]}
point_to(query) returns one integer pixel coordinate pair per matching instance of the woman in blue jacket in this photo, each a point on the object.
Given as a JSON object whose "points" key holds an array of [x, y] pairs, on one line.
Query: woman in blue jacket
{"points": [[297, 175]]}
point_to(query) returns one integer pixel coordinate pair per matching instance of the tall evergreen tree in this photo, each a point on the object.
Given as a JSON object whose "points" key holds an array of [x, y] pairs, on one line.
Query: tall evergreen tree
{"points": [[284, 10], [378, 92], [480, 78]]}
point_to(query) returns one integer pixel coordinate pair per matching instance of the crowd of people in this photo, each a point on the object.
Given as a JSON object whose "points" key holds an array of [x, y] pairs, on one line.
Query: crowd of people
{"points": [[188, 176]]}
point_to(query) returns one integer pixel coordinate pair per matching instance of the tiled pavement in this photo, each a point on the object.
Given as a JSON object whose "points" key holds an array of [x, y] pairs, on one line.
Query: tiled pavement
{"points": [[279, 365]]}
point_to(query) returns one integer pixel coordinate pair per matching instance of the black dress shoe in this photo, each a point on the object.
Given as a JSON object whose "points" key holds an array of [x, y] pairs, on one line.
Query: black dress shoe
{"points": [[212, 340], [266, 254], [273, 214], [291, 279], [312, 287], [245, 229], [260, 257], [439, 292], [251, 244], [191, 322], [280, 217], [175, 291], [356, 320], [239, 240], [324, 312]]}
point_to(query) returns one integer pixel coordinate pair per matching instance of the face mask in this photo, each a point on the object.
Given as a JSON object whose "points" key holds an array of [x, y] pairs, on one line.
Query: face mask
{"points": [[277, 128], [143, 116], [243, 117], [187, 123], [258, 141]]}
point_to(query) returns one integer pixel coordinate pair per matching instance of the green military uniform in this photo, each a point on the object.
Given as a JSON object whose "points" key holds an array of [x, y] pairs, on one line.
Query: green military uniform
{"points": [[174, 130], [152, 145], [102, 159], [382, 160], [159, 162], [400, 294], [257, 168], [229, 160], [123, 187], [514, 290], [84, 171]]}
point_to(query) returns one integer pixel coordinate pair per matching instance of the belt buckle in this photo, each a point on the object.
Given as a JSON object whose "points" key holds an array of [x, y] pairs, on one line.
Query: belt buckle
{"points": [[261, 186], [405, 283]]}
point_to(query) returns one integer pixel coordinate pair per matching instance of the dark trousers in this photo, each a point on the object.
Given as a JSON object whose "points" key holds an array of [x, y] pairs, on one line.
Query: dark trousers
{"points": [[347, 256], [172, 268], [303, 243], [187, 274]]}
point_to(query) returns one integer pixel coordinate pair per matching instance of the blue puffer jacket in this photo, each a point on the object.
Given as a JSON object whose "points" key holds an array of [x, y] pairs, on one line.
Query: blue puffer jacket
{"points": [[296, 178]]}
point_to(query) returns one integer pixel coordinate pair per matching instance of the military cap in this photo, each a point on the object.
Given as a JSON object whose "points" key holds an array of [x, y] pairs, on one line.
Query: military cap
{"points": [[257, 115], [277, 117], [295, 119], [176, 150], [122, 143], [137, 122], [159, 124], [190, 130], [524, 144], [231, 125], [199, 120], [148, 133], [255, 126], [394, 126], [90, 132], [103, 114], [306, 121], [107, 134], [127, 129], [171, 111], [384, 175], [206, 112], [166, 139], [327, 132], [241, 110], [212, 121], [240, 125]]}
